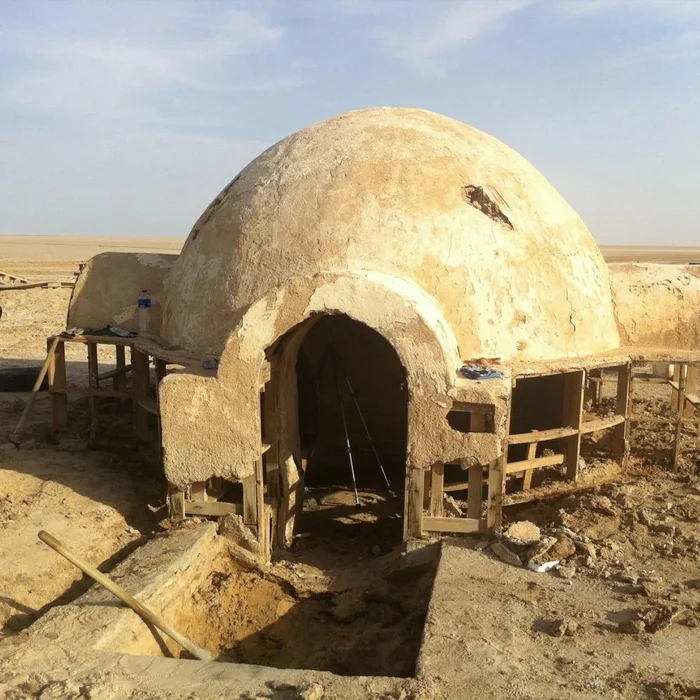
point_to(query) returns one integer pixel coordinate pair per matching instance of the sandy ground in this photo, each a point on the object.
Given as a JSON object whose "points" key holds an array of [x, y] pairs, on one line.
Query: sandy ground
{"points": [[618, 618]]}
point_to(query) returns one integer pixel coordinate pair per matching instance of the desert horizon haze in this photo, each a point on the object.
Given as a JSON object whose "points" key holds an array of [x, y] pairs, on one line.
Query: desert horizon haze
{"points": [[126, 119]]}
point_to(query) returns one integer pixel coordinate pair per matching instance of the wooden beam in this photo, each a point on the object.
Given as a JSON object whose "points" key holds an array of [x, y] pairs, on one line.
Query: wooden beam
{"points": [[593, 426], [691, 392], [57, 381], [527, 474], [92, 385], [215, 509], [161, 370], [496, 491], [250, 512], [262, 520], [122, 368], [140, 380], [621, 443], [680, 402], [535, 463], [461, 525], [437, 480], [413, 502], [541, 435], [198, 491], [176, 502], [572, 414], [86, 391], [474, 496]]}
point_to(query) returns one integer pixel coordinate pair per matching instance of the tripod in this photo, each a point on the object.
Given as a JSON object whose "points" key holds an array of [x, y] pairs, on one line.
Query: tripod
{"points": [[340, 377]]}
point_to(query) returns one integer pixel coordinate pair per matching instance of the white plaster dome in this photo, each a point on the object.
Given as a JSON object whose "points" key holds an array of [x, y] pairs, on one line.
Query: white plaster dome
{"points": [[408, 194]]}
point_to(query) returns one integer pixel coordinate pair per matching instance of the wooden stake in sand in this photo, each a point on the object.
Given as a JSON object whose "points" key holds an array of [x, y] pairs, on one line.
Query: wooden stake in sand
{"points": [[37, 384], [138, 607]]}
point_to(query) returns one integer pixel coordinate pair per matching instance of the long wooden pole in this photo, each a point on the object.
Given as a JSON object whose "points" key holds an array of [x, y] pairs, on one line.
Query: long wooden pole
{"points": [[138, 607], [37, 384]]}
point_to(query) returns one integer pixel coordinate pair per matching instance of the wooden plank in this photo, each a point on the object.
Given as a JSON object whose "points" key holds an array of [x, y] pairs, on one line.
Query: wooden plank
{"points": [[413, 502], [680, 402], [496, 489], [592, 426], [270, 422], [621, 440], [93, 374], [213, 508], [86, 391], [140, 380], [265, 374], [474, 496], [149, 404], [529, 464], [527, 475], [57, 382], [263, 524], [691, 392], [161, 370], [461, 525], [572, 413], [541, 435], [437, 480], [249, 500], [176, 502]]}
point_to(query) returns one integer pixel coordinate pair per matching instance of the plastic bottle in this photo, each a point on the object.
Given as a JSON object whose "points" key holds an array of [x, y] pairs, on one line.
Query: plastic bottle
{"points": [[144, 314]]}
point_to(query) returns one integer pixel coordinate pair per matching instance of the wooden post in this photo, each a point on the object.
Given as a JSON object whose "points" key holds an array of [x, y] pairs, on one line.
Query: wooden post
{"points": [[57, 380], [622, 407], [263, 525], [413, 503], [250, 508], [161, 370], [573, 410], [92, 384], [496, 489], [140, 379], [437, 481], [119, 380], [677, 372], [527, 475], [691, 387], [176, 500], [679, 414], [474, 495]]}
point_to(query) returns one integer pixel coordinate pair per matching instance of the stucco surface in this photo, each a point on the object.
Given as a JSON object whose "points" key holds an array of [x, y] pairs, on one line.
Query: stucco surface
{"points": [[657, 306], [107, 290], [221, 416], [413, 195]]}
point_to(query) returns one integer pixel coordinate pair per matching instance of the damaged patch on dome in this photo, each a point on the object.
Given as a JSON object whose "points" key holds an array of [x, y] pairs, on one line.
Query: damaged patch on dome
{"points": [[475, 195]]}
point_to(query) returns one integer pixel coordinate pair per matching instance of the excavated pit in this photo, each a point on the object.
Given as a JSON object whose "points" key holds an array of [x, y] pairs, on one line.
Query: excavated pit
{"points": [[344, 599]]}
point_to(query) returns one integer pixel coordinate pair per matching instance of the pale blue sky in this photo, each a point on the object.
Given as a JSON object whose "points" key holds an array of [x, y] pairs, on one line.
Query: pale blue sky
{"points": [[127, 118]]}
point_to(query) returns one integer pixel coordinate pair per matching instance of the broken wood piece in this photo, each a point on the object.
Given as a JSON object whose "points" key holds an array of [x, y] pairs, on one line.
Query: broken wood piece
{"points": [[37, 385], [139, 608]]}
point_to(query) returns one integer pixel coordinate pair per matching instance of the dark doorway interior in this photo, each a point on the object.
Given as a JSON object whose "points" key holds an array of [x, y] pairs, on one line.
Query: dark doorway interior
{"points": [[378, 381]]}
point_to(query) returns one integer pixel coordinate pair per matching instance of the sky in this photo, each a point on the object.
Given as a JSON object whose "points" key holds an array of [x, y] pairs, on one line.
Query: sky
{"points": [[127, 118]]}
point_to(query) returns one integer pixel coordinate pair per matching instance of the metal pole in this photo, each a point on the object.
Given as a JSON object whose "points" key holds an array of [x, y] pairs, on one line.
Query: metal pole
{"points": [[345, 427], [138, 607], [367, 433]]}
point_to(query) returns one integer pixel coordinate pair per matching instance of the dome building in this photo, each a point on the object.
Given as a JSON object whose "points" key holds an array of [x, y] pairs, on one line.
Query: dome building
{"points": [[381, 250]]}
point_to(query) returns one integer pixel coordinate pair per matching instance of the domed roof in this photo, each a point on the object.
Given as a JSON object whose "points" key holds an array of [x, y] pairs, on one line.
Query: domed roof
{"points": [[413, 195]]}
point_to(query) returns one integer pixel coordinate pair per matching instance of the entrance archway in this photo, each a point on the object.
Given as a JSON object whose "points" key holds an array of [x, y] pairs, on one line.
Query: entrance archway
{"points": [[344, 383]]}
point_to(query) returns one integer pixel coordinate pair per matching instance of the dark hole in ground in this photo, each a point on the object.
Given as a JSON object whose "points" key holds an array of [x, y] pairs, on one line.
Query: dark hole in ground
{"points": [[343, 600]]}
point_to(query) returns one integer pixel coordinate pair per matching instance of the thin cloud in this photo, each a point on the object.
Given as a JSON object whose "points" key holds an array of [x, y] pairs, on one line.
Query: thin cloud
{"points": [[426, 40], [92, 66]]}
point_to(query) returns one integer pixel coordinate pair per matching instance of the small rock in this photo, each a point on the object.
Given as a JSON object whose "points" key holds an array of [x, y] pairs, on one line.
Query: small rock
{"points": [[232, 527], [376, 550], [7, 446], [563, 548], [564, 627], [587, 548], [27, 445], [522, 533], [481, 545], [311, 692], [644, 517], [451, 507], [566, 571], [631, 627], [505, 554]]}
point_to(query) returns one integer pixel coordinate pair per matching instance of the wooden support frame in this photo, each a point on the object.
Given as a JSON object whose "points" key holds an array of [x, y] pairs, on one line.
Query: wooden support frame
{"points": [[437, 482], [413, 502], [475, 495], [456, 525], [621, 444], [93, 373], [680, 407]]}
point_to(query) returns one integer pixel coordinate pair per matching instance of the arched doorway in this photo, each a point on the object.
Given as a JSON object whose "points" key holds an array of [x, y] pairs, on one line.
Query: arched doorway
{"points": [[351, 388]]}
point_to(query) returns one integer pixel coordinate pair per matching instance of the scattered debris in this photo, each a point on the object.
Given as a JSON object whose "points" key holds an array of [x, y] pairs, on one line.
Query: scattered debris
{"points": [[505, 554], [523, 533]]}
